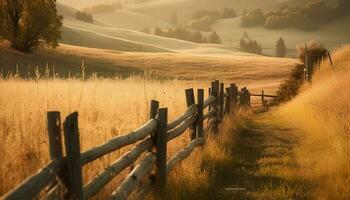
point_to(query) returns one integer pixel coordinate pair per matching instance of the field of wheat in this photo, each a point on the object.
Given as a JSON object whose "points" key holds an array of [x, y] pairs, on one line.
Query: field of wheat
{"points": [[321, 113]]}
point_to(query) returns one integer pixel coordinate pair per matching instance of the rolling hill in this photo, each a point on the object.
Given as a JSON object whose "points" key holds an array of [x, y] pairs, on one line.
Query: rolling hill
{"points": [[245, 69]]}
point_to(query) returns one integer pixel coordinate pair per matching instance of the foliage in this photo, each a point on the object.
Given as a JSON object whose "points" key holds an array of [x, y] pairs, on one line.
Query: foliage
{"points": [[290, 88], [214, 38], [85, 17], [314, 48], [307, 17], [249, 45], [103, 8], [203, 19], [28, 24], [281, 49], [253, 18], [182, 33]]}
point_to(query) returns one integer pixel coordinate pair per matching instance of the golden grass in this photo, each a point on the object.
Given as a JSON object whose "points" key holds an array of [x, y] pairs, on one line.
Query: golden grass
{"points": [[107, 108], [322, 114]]}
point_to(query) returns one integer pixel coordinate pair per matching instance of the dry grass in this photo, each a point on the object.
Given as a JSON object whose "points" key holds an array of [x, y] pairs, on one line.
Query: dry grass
{"points": [[107, 108], [322, 114]]}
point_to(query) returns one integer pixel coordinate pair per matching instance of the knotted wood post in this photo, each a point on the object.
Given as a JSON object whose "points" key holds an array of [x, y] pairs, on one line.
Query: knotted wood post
{"points": [[74, 167], [222, 99], [191, 101], [152, 115], [161, 146], [200, 102]]}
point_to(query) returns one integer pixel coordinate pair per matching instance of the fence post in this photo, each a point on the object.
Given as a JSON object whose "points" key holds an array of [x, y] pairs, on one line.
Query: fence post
{"points": [[74, 167], [54, 131], [200, 101], [215, 92], [222, 99], [161, 146], [191, 101], [209, 91], [228, 100]]}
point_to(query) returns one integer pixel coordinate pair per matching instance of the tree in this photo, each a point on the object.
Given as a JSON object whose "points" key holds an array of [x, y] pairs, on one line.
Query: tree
{"points": [[85, 17], [28, 24], [281, 50], [174, 18], [158, 31], [214, 38]]}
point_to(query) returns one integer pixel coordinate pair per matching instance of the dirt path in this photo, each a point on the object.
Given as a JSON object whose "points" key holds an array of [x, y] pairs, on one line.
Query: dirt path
{"points": [[263, 165]]}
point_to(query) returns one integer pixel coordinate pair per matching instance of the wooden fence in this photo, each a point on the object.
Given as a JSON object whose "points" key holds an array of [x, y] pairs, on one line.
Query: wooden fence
{"points": [[62, 177]]}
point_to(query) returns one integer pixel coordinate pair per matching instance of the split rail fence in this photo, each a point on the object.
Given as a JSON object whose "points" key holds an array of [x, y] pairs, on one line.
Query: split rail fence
{"points": [[62, 178]]}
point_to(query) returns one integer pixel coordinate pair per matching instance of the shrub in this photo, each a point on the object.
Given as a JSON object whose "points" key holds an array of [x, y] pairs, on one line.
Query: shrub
{"points": [[249, 45], [214, 38], [85, 17], [314, 48]]}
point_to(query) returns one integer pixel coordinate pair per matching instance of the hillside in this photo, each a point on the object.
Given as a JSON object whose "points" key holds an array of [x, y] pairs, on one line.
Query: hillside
{"points": [[332, 35], [245, 69]]}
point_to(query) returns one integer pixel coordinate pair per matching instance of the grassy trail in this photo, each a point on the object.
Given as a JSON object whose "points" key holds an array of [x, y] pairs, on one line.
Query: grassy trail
{"points": [[262, 165]]}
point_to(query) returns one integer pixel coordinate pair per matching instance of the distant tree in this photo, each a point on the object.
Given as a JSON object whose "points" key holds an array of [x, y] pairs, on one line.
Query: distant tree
{"points": [[27, 24], [214, 38], [281, 50], [85, 17], [174, 18], [253, 18], [343, 8], [158, 31]]}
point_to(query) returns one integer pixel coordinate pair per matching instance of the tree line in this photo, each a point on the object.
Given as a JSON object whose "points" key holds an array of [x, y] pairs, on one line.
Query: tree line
{"points": [[203, 19], [307, 17], [180, 32]]}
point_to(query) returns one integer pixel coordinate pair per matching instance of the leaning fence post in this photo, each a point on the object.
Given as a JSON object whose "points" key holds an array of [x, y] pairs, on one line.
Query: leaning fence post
{"points": [[191, 101], [200, 102], [74, 167], [215, 91], [222, 98], [161, 146]]}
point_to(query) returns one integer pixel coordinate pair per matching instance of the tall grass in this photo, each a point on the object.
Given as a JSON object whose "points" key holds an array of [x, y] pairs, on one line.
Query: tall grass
{"points": [[322, 114], [107, 108]]}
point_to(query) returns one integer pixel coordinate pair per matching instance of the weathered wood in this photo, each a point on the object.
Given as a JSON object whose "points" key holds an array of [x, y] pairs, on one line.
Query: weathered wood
{"points": [[74, 166], [55, 147], [209, 101], [192, 110], [174, 133], [208, 104], [191, 101], [228, 100], [119, 142], [31, 187], [154, 109], [184, 153], [208, 114], [161, 146], [234, 89], [200, 102], [54, 131], [221, 105], [134, 178], [215, 92], [95, 185]]}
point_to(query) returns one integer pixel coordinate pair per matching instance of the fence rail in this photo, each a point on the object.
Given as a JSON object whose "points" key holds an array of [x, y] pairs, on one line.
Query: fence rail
{"points": [[65, 171]]}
